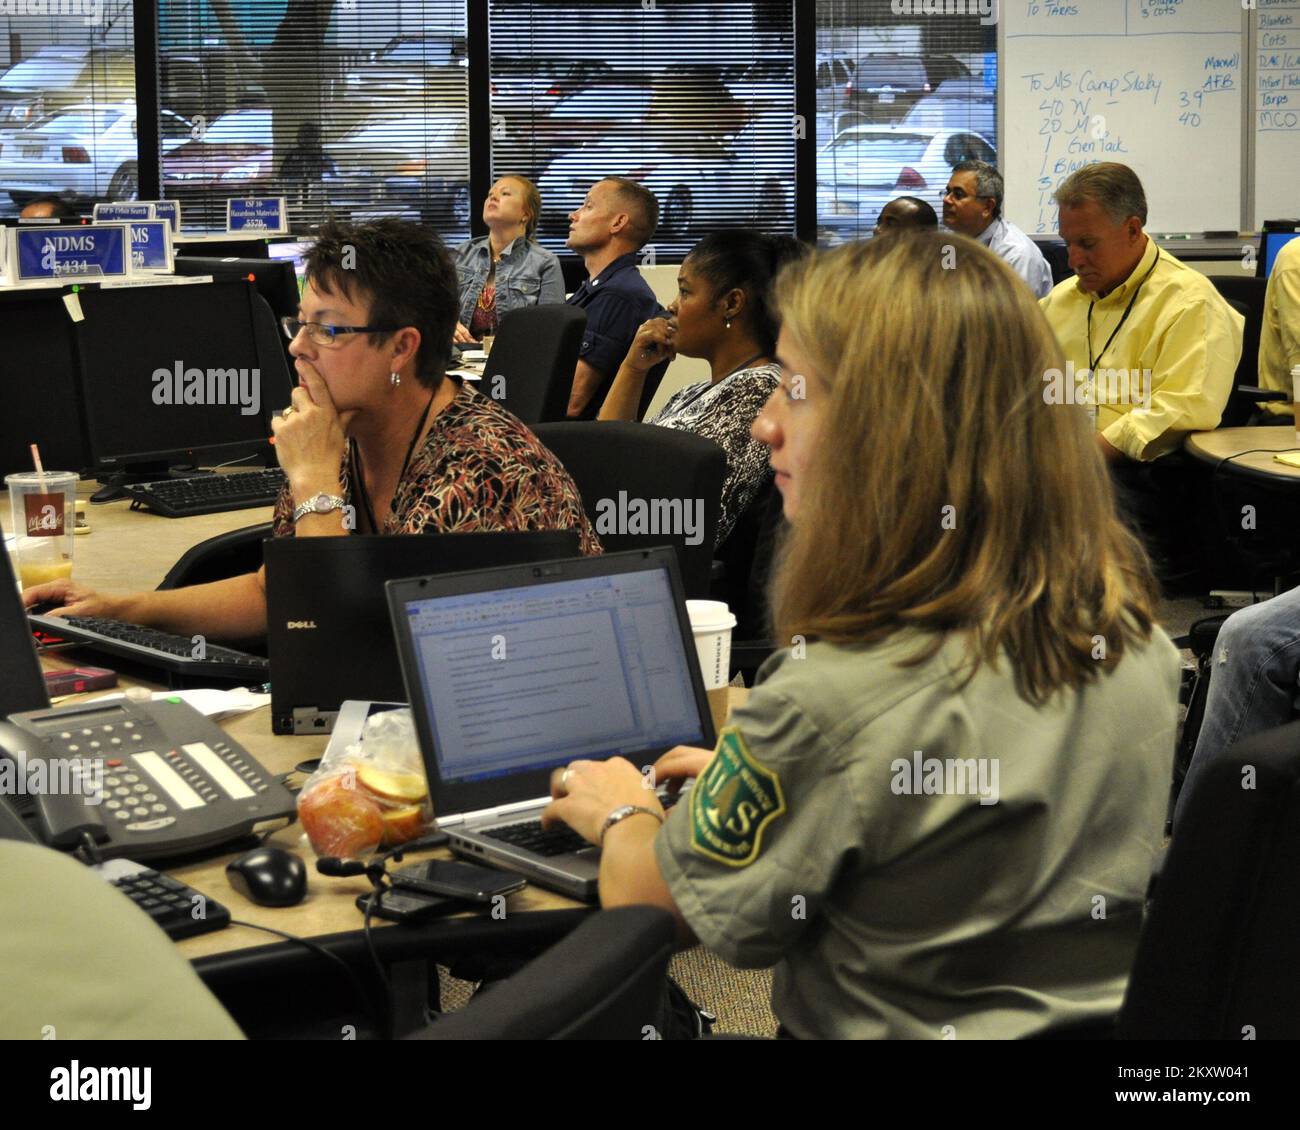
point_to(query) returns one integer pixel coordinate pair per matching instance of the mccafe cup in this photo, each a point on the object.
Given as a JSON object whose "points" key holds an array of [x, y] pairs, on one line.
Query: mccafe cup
{"points": [[711, 624], [43, 506]]}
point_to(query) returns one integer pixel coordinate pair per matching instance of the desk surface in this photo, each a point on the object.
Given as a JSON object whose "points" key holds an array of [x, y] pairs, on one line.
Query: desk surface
{"points": [[133, 549], [1261, 442]]}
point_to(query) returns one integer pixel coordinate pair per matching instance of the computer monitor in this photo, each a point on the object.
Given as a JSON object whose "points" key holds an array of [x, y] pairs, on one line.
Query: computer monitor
{"points": [[273, 278], [173, 375], [1270, 243], [292, 251], [38, 375]]}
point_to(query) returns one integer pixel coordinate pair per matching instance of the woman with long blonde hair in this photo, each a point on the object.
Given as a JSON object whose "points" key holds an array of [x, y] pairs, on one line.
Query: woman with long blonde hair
{"points": [[938, 811]]}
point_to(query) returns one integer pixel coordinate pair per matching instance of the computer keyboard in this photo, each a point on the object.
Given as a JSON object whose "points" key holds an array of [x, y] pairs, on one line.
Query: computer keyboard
{"points": [[179, 655], [178, 909], [208, 494], [531, 836]]}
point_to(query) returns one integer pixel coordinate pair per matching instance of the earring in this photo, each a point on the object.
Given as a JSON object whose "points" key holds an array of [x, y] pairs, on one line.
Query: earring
{"points": [[728, 323], [394, 379]]}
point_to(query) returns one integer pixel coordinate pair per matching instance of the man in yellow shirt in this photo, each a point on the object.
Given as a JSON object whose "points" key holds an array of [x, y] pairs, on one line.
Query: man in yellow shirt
{"points": [[1151, 349], [1279, 336], [1135, 311]]}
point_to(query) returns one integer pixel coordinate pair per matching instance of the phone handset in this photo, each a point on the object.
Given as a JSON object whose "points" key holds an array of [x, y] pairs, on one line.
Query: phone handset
{"points": [[61, 820]]}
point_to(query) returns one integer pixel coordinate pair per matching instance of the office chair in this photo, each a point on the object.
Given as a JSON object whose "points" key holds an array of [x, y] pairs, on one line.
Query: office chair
{"points": [[1246, 296], [1058, 259], [536, 351], [226, 555], [1218, 952], [741, 568], [646, 463], [653, 379], [604, 981]]}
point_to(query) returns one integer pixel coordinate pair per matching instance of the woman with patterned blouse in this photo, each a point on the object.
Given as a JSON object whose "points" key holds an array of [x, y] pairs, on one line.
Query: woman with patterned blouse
{"points": [[723, 314], [378, 438]]}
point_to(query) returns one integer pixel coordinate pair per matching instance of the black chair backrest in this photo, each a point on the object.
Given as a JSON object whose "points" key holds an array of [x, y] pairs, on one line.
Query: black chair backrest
{"points": [[604, 981], [645, 473], [1217, 955], [226, 555], [1058, 259], [535, 354], [653, 379], [1246, 296]]}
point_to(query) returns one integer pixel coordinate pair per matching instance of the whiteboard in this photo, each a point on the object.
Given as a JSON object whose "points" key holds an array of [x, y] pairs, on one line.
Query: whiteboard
{"points": [[1154, 84], [1276, 58]]}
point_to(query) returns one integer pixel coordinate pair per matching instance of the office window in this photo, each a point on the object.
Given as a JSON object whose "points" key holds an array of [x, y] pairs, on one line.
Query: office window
{"points": [[67, 103], [357, 109], [695, 101], [901, 98]]}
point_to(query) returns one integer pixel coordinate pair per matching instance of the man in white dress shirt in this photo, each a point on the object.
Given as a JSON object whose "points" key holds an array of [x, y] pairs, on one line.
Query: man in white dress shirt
{"points": [[972, 205]]}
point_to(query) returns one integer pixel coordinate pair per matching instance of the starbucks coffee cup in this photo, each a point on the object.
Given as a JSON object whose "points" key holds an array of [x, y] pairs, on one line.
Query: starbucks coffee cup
{"points": [[711, 624]]}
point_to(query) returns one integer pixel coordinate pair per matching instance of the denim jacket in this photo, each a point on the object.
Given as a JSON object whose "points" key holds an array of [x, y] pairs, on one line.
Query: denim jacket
{"points": [[527, 275]]}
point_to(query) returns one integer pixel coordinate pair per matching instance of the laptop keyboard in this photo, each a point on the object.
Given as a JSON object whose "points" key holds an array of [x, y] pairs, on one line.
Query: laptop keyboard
{"points": [[531, 836]]}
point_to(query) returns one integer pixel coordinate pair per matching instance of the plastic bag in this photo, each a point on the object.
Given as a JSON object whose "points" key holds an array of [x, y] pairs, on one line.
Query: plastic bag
{"points": [[371, 793]]}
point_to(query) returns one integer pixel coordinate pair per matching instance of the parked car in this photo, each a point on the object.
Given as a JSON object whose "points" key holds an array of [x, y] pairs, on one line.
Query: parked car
{"points": [[406, 163], [865, 167], [58, 76], [82, 153], [834, 72], [535, 86], [233, 156], [959, 103], [744, 179], [888, 85]]}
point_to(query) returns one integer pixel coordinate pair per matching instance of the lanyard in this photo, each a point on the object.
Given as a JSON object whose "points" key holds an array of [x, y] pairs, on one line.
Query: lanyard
{"points": [[355, 459], [1093, 362]]}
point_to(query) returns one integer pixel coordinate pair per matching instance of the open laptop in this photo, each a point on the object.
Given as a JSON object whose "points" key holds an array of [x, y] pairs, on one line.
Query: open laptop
{"points": [[511, 672], [328, 633]]}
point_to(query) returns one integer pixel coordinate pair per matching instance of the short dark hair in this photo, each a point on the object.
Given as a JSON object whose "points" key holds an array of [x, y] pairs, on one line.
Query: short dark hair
{"points": [[748, 260], [988, 181], [402, 268], [925, 215], [642, 208]]}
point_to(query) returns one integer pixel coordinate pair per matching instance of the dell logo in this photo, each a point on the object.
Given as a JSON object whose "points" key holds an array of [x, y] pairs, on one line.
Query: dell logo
{"points": [[292, 624]]}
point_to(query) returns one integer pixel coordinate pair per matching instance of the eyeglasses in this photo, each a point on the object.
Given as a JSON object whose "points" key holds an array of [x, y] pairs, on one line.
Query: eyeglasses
{"points": [[322, 333], [960, 194]]}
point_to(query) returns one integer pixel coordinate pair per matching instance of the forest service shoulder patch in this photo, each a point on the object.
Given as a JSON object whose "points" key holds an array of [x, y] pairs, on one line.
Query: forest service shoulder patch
{"points": [[732, 802]]}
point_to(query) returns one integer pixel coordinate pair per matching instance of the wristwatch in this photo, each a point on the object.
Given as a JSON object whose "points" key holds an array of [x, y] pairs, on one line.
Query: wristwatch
{"points": [[623, 813], [319, 504]]}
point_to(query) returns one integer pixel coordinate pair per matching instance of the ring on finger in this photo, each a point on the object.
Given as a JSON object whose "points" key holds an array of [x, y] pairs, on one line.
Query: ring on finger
{"points": [[285, 413], [564, 780]]}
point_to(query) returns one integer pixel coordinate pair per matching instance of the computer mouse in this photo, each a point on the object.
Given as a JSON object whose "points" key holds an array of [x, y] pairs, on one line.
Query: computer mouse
{"points": [[269, 876]]}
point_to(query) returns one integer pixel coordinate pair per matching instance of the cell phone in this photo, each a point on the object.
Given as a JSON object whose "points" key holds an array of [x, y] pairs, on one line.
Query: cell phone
{"points": [[408, 906], [465, 881]]}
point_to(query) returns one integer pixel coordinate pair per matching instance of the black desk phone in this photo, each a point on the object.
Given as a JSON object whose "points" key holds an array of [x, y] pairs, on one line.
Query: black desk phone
{"points": [[142, 779]]}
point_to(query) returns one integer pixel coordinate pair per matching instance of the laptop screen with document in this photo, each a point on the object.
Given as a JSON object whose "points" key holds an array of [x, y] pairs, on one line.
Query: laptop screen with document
{"points": [[533, 671]]}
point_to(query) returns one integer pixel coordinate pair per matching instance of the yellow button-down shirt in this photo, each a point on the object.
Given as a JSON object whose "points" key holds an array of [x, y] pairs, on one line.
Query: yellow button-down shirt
{"points": [[1279, 337], [1180, 331]]}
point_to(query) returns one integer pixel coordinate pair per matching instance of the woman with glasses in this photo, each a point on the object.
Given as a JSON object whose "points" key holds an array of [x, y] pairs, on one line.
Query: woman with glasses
{"points": [[378, 438], [938, 811], [505, 269]]}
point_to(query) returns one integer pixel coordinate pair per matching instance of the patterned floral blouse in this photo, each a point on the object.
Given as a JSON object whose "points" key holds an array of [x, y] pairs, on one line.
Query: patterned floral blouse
{"points": [[724, 412], [480, 470]]}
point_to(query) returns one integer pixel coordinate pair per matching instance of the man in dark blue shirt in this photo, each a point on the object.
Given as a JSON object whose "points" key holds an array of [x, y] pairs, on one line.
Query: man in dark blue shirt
{"points": [[615, 221]]}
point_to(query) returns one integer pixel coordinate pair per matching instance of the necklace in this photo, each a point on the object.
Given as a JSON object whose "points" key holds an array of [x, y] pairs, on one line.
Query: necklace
{"points": [[354, 459], [745, 364], [1093, 362]]}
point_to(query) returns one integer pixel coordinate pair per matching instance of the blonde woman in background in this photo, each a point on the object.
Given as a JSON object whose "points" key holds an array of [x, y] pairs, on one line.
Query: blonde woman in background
{"points": [[505, 269], [937, 812]]}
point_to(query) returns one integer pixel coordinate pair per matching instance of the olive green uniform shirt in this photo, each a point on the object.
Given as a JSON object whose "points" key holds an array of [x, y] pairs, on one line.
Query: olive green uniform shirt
{"points": [[1004, 905], [80, 961]]}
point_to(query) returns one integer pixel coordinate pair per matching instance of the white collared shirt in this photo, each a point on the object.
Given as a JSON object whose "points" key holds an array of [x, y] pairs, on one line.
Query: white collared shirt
{"points": [[1021, 253]]}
